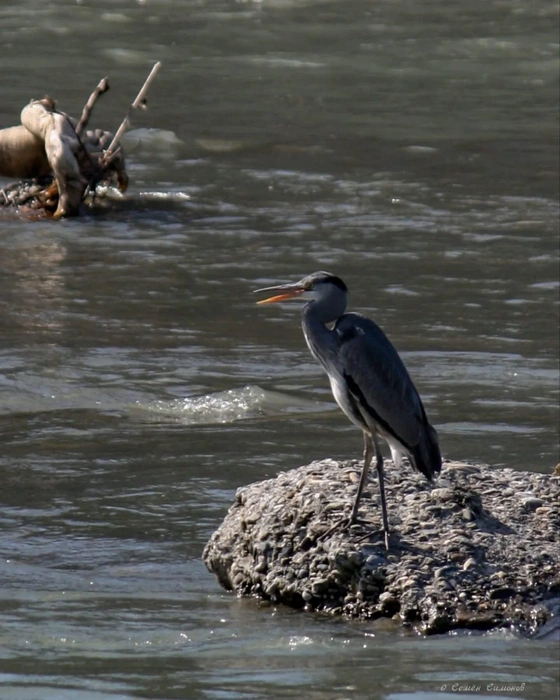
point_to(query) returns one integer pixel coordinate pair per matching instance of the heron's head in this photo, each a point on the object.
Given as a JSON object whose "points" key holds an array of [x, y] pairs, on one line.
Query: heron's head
{"points": [[318, 287]]}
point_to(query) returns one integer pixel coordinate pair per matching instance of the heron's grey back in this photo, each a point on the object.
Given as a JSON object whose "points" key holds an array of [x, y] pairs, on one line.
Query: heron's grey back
{"points": [[379, 380]]}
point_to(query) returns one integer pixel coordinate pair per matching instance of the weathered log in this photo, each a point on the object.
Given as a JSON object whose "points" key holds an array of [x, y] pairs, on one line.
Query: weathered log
{"points": [[479, 550], [61, 145], [49, 141], [22, 154]]}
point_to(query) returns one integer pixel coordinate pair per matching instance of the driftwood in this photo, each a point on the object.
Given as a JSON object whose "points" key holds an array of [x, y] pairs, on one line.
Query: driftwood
{"points": [[65, 161], [139, 103], [88, 107], [22, 154]]}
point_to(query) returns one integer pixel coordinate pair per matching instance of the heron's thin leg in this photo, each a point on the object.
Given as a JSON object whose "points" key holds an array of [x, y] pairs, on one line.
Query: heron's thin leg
{"points": [[381, 476], [368, 454]]}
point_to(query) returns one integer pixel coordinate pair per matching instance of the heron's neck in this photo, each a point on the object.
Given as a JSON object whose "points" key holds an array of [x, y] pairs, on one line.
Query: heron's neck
{"points": [[322, 341]]}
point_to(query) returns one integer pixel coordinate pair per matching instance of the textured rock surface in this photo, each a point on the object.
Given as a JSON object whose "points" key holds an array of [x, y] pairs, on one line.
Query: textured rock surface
{"points": [[477, 550]]}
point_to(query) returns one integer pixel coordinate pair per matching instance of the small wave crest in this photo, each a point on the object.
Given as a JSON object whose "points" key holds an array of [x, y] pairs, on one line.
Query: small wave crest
{"points": [[224, 406], [221, 407]]}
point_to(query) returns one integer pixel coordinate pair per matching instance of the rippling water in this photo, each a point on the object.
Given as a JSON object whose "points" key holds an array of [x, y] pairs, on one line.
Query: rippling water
{"points": [[412, 148]]}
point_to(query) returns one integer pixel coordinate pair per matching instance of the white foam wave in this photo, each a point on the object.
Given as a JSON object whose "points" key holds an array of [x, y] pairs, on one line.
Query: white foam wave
{"points": [[222, 407], [225, 406]]}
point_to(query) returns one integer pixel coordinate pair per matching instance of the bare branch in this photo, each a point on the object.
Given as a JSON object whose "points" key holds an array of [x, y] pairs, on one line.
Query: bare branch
{"points": [[88, 108], [139, 103]]}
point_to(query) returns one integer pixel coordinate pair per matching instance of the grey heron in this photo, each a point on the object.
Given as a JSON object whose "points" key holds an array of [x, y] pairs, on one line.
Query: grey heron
{"points": [[368, 380]]}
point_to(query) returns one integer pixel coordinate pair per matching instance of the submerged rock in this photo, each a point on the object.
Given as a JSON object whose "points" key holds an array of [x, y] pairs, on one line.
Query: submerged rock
{"points": [[479, 550]]}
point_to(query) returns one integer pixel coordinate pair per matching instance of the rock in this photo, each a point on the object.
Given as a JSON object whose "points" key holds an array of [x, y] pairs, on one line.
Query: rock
{"points": [[532, 503], [495, 567]]}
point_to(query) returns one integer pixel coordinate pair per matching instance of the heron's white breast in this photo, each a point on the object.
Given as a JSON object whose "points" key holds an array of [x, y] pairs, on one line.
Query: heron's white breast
{"points": [[340, 393]]}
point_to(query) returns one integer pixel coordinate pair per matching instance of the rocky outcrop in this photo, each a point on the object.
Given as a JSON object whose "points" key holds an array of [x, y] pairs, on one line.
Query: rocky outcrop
{"points": [[479, 549]]}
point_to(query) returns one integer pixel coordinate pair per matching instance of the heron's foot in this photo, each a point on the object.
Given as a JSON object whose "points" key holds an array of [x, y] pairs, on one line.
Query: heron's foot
{"points": [[343, 524], [383, 532], [346, 524]]}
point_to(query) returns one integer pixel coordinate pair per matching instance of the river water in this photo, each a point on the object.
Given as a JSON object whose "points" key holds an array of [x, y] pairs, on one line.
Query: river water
{"points": [[411, 148]]}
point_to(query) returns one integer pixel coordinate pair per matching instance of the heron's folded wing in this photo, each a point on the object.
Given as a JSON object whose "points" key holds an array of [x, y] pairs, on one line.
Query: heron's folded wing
{"points": [[378, 379]]}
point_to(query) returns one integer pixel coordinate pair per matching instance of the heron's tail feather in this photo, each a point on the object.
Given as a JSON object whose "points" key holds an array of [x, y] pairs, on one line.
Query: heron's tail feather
{"points": [[426, 456]]}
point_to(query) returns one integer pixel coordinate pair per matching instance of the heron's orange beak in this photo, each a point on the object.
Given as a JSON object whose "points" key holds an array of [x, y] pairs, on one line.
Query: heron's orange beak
{"points": [[282, 297]]}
